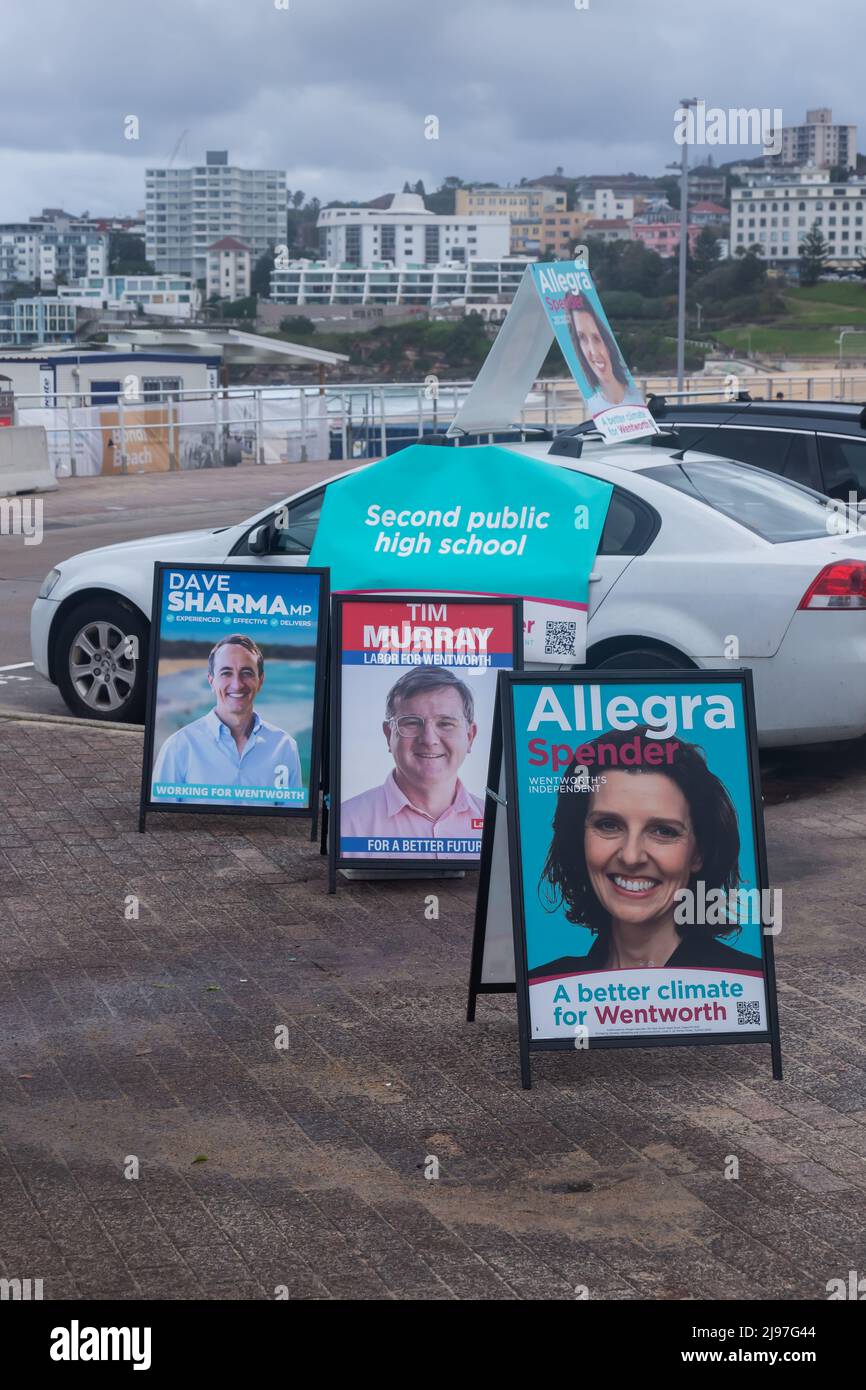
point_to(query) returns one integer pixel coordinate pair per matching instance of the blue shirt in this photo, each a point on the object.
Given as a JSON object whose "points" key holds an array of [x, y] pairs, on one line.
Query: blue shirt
{"points": [[201, 762]]}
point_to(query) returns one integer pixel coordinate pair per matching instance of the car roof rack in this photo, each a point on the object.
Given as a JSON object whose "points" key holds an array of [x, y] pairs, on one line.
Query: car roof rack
{"points": [[657, 405]]}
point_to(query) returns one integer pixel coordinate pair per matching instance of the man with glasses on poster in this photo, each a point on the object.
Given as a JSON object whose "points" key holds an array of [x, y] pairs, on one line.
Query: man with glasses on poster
{"points": [[429, 728]]}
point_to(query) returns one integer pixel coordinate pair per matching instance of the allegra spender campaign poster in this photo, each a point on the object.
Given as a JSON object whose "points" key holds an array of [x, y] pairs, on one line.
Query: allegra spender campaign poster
{"points": [[417, 690], [235, 687], [642, 908], [591, 351]]}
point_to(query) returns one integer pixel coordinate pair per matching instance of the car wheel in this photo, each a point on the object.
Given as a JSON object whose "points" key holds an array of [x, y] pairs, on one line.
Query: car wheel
{"points": [[101, 661], [642, 659]]}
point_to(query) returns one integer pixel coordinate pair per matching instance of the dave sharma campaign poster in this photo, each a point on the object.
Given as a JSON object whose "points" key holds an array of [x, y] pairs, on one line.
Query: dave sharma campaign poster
{"points": [[235, 697]]}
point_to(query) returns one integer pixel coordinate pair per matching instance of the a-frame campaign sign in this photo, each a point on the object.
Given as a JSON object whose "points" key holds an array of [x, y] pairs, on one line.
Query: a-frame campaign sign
{"points": [[587, 729], [387, 649]]}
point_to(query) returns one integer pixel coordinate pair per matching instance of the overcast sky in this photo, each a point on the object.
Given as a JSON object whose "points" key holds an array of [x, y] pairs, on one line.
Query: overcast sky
{"points": [[336, 91]]}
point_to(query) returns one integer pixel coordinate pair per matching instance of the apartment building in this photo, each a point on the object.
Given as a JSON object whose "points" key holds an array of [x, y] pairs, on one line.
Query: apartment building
{"points": [[475, 282], [187, 210], [658, 228], [71, 255], [31, 322], [706, 184], [228, 269], [48, 251], [707, 214], [819, 142], [19, 253], [525, 207], [608, 229], [407, 233], [523, 204], [776, 218], [561, 231], [163, 296], [607, 204]]}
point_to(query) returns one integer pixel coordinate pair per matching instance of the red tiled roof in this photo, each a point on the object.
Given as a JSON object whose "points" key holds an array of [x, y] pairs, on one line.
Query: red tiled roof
{"points": [[228, 243]]}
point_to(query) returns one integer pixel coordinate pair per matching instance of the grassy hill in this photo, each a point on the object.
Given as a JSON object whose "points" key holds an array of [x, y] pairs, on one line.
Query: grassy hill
{"points": [[809, 325]]}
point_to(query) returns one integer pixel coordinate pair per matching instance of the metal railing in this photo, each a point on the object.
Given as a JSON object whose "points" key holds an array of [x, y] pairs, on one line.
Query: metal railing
{"points": [[192, 428]]}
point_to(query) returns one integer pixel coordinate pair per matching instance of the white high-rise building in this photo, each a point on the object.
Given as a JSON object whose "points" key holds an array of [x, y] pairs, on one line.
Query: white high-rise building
{"points": [[818, 141], [187, 210]]}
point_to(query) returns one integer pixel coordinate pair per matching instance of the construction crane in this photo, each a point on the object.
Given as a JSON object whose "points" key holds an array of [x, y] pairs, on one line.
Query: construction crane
{"points": [[178, 143]]}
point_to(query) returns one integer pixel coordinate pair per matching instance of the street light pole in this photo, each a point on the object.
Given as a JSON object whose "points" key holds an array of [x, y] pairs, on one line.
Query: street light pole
{"points": [[684, 250]]}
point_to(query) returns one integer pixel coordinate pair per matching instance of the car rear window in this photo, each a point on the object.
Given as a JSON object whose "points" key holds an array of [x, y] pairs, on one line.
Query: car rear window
{"points": [[772, 507], [786, 452]]}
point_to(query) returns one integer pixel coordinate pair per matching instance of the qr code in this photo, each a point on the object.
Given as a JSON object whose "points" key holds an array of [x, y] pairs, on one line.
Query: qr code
{"points": [[559, 638], [748, 1011]]}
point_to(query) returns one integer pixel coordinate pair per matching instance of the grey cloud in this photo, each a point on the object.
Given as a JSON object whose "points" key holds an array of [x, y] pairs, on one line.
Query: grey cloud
{"points": [[335, 91]]}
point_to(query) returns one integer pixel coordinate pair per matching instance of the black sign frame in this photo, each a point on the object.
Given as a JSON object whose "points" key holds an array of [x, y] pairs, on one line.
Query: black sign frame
{"points": [[146, 804], [503, 752], [402, 868]]}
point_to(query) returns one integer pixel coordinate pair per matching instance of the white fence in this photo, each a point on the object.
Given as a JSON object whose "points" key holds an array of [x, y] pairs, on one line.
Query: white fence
{"points": [[290, 424]]}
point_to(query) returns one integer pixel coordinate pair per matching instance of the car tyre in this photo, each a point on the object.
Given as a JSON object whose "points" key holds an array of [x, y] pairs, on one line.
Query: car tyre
{"points": [[101, 661]]}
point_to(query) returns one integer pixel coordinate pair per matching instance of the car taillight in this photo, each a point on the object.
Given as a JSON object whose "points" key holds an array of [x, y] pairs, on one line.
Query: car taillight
{"points": [[840, 585]]}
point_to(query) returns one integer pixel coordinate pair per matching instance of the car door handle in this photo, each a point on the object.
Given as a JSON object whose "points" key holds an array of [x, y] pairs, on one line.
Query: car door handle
{"points": [[594, 575]]}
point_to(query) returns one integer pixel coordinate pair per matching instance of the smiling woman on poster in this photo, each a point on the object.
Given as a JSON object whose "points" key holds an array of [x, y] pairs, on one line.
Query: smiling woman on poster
{"points": [[624, 846], [609, 380]]}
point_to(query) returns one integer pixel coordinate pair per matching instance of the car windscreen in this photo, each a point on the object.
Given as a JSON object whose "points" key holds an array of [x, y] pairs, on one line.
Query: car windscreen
{"points": [[774, 508]]}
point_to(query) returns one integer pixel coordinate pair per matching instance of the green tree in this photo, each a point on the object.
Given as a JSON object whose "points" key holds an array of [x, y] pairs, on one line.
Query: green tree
{"points": [[641, 269], [297, 325], [706, 253], [126, 255], [240, 308], [260, 280], [814, 251]]}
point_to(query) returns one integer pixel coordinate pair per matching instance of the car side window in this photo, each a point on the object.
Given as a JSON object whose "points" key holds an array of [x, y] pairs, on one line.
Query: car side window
{"points": [[788, 453], [295, 527], [630, 525], [297, 532], [843, 462]]}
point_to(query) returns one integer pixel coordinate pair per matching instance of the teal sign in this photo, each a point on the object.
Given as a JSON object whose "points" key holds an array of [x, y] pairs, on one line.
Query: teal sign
{"points": [[481, 520]]}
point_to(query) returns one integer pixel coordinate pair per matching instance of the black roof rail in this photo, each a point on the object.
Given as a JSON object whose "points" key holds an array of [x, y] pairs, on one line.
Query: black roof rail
{"points": [[658, 406], [567, 446]]}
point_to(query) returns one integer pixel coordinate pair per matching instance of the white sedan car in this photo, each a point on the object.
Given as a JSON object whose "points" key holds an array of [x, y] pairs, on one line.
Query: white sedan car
{"points": [[703, 563]]}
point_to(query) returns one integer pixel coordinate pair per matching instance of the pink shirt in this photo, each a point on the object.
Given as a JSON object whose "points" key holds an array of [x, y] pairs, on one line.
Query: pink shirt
{"points": [[385, 814]]}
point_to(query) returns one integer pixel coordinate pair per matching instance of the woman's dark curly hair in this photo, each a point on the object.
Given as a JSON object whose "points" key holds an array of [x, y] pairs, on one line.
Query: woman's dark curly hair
{"points": [[565, 880], [575, 303]]}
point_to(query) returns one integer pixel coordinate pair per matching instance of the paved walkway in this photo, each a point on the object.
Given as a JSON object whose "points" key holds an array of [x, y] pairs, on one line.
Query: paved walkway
{"points": [[148, 1044]]}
